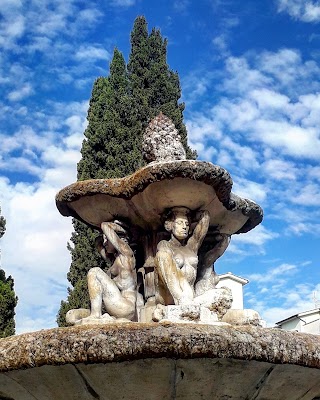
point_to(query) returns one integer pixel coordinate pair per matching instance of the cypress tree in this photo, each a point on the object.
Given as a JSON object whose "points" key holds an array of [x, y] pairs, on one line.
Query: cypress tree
{"points": [[110, 150], [121, 106], [154, 86], [8, 299]]}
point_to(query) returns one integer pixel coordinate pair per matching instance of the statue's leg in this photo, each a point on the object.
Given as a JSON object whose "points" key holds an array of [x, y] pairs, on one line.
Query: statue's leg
{"points": [[118, 304], [173, 278], [95, 291]]}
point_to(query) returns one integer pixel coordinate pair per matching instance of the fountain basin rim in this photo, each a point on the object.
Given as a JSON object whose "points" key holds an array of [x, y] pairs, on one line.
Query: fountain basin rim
{"points": [[133, 341], [127, 187]]}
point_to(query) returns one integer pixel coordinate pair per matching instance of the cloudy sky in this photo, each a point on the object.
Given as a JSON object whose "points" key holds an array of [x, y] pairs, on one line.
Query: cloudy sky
{"points": [[249, 72]]}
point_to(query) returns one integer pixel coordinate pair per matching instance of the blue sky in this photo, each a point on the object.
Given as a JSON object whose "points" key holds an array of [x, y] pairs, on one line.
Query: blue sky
{"points": [[250, 76]]}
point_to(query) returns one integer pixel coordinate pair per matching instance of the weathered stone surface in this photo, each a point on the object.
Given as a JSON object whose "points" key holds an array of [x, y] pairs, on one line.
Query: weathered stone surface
{"points": [[143, 196], [188, 313], [163, 379], [242, 317], [160, 361], [162, 141], [131, 341]]}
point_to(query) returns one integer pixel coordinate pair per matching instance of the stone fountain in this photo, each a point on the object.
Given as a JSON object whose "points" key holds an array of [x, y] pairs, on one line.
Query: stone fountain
{"points": [[180, 214], [158, 327]]}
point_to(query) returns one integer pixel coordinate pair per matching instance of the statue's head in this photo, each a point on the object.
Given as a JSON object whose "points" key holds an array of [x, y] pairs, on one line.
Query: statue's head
{"points": [[178, 222]]}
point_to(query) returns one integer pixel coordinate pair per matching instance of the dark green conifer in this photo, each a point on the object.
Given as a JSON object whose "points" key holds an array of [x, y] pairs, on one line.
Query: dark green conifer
{"points": [[8, 299], [110, 150], [154, 86]]}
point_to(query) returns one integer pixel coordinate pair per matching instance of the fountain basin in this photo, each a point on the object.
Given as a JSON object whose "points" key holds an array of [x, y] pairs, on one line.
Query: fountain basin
{"points": [[160, 361]]}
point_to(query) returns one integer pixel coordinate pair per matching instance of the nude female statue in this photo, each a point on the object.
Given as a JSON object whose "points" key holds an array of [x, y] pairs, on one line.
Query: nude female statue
{"points": [[176, 260], [116, 288]]}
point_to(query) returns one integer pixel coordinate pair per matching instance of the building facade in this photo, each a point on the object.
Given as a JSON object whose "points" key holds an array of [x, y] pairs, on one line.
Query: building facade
{"points": [[308, 322]]}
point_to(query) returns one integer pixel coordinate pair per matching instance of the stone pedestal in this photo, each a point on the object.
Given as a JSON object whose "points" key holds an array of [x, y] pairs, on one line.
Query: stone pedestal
{"points": [[191, 313], [160, 361]]}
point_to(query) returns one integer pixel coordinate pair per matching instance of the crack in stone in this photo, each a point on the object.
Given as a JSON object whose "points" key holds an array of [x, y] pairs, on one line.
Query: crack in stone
{"points": [[174, 381], [260, 384], [177, 375], [89, 388]]}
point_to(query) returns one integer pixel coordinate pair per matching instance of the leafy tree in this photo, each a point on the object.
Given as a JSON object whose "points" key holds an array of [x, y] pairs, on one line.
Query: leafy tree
{"points": [[121, 106], [8, 299]]}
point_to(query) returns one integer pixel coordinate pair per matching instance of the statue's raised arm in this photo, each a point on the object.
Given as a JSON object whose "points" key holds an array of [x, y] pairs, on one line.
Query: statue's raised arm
{"points": [[117, 236], [200, 231]]}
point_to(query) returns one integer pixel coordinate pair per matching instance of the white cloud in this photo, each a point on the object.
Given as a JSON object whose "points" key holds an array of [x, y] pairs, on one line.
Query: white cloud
{"points": [[268, 99], [123, 3], [241, 78], [294, 299], [88, 16], [260, 110], [204, 152], [34, 246], [303, 10], [40, 43], [299, 219], [314, 172], [281, 64], [34, 249], [259, 236], [92, 53], [181, 5], [8, 5], [291, 139], [26, 139], [12, 23], [307, 110], [202, 128], [280, 170], [243, 157], [273, 273], [250, 189], [16, 28], [195, 86], [309, 195], [221, 43], [21, 93]]}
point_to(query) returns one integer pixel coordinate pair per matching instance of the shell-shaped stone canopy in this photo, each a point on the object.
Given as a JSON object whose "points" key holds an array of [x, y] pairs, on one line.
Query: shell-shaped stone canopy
{"points": [[143, 196]]}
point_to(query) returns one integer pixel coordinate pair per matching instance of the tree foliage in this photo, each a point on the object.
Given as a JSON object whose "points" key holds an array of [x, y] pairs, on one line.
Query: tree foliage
{"points": [[2, 225], [154, 86], [8, 299], [121, 106]]}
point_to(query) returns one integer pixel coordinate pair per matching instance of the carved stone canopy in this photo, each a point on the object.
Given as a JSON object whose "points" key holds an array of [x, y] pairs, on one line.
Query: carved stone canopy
{"points": [[143, 197]]}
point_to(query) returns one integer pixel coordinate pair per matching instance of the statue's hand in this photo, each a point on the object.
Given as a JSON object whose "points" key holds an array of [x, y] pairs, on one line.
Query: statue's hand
{"points": [[115, 226], [202, 214], [118, 226]]}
